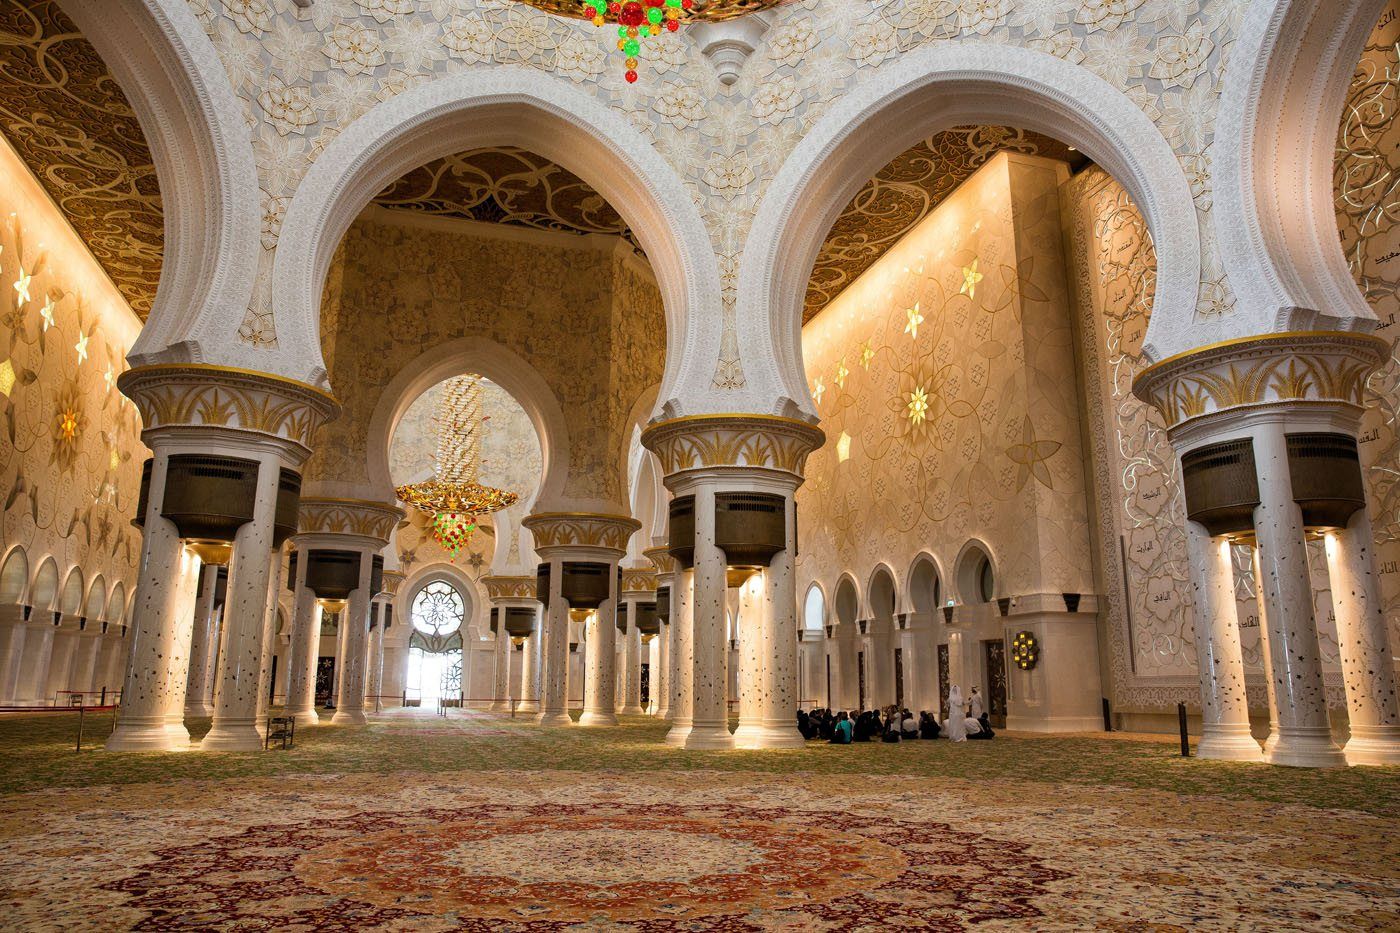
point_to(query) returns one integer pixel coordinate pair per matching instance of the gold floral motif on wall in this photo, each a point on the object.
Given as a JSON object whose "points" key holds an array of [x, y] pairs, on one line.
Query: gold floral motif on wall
{"points": [[65, 115], [949, 397], [903, 193], [70, 448]]}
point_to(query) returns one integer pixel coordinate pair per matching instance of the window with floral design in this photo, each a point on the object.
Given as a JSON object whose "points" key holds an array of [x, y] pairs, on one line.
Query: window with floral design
{"points": [[438, 609]]}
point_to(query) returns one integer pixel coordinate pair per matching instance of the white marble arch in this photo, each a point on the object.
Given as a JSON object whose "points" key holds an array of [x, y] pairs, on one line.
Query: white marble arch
{"points": [[965, 583], [194, 125], [43, 590], [921, 593], [1275, 147], [846, 600], [14, 577], [924, 92], [513, 106], [881, 578], [453, 358]]}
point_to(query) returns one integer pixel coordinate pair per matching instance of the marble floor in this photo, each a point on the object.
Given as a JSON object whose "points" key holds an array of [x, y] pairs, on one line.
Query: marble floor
{"points": [[479, 822]]}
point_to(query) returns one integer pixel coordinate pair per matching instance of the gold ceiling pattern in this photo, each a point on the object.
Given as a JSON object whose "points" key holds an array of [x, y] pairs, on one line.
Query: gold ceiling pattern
{"points": [[70, 123], [708, 10], [505, 185], [903, 193]]}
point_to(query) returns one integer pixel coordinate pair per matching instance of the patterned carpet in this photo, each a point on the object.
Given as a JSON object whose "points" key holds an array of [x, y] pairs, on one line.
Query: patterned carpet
{"points": [[480, 823]]}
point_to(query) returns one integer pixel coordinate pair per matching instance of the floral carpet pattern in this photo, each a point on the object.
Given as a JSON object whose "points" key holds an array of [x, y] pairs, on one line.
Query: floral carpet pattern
{"points": [[705, 848]]}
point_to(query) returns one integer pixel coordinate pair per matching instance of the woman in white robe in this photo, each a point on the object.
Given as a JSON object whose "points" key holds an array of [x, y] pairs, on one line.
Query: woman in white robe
{"points": [[956, 726]]}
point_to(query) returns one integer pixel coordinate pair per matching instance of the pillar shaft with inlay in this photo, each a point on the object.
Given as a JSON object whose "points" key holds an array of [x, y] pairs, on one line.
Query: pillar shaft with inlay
{"points": [[1224, 704], [197, 690], [1363, 640], [305, 648], [350, 710], [631, 701]]}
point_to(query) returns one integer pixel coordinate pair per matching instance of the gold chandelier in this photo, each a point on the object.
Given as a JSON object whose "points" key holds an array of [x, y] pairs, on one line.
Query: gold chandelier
{"points": [[453, 497]]}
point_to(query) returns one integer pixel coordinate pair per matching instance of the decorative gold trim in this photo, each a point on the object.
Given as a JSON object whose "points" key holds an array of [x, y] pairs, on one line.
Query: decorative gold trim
{"points": [[509, 587], [331, 516], [231, 370], [1381, 344], [581, 529], [767, 442], [1294, 367]]}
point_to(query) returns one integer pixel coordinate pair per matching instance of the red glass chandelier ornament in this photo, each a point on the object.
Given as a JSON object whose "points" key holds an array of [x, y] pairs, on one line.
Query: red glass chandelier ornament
{"points": [[637, 18]]}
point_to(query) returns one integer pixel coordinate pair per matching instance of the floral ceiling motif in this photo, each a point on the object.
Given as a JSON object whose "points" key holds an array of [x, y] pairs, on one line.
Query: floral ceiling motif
{"points": [[903, 193], [67, 118]]}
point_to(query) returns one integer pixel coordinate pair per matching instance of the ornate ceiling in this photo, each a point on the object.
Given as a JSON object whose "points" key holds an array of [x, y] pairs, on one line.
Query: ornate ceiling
{"points": [[67, 118], [903, 193], [508, 186]]}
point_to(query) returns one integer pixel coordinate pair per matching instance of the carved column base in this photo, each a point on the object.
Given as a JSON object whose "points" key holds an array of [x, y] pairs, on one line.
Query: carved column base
{"points": [[1228, 742], [1373, 745]]}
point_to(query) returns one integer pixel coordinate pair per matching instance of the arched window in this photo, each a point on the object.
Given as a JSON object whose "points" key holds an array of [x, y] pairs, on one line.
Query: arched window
{"points": [[814, 613], [438, 609]]}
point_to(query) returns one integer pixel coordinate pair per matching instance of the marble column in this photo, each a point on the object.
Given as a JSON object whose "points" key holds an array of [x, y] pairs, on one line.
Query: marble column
{"points": [[748, 628], [270, 635], [12, 632], [32, 677], [774, 591], [600, 684], [664, 673], [632, 662], [239, 677], [651, 650], [65, 645], [530, 675], [1266, 655], [305, 648], [1363, 637], [350, 708], [374, 678], [683, 657], [197, 686], [157, 670], [85, 660], [1220, 663], [500, 694], [710, 646], [554, 701], [1305, 733]]}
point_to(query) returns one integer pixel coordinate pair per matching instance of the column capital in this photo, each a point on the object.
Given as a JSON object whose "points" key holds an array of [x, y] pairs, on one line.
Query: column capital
{"points": [[553, 531], [180, 397], [357, 518], [1300, 367], [757, 442], [393, 579], [662, 560], [638, 582], [503, 588]]}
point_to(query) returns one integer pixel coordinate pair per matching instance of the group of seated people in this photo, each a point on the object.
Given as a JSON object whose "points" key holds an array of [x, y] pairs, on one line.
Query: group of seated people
{"points": [[895, 724]]}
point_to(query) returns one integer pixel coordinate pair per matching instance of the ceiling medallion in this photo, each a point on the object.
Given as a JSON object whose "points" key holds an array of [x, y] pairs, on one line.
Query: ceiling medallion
{"points": [[637, 18], [453, 498]]}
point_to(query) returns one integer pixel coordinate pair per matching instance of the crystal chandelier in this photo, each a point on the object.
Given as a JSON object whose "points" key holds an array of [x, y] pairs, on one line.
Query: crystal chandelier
{"points": [[453, 497], [636, 19]]}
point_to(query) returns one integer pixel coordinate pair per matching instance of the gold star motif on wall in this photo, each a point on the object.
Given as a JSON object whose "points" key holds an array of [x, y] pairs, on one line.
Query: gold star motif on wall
{"points": [[109, 377], [867, 353], [81, 347], [918, 405], [841, 373], [819, 391], [915, 317], [46, 312], [22, 286], [7, 377], [970, 279]]}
